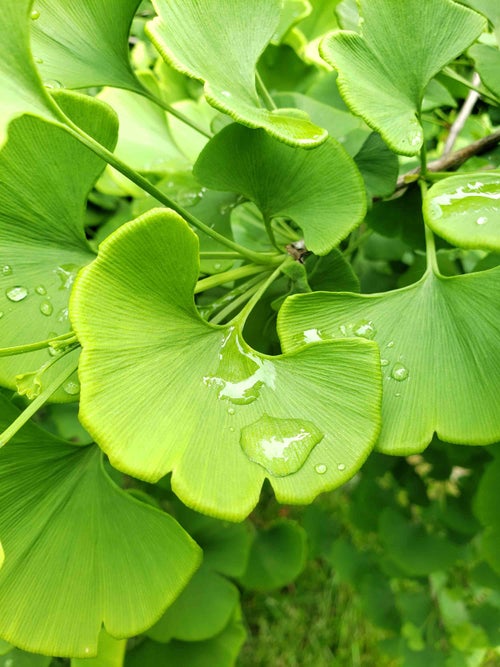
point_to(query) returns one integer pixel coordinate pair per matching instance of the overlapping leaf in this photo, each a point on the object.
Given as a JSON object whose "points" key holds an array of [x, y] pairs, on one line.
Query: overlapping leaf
{"points": [[383, 74], [216, 413], [83, 44], [320, 190], [42, 240], [438, 341], [79, 552], [487, 60], [465, 210], [486, 504], [219, 43], [22, 90]]}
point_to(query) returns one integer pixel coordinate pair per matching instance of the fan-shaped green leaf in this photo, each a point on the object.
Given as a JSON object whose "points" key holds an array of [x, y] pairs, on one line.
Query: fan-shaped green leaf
{"points": [[278, 555], [383, 74], [490, 9], [465, 210], [22, 90], [18, 658], [83, 44], [42, 240], [439, 346], [320, 190], [306, 421], [219, 43], [105, 557], [110, 653]]}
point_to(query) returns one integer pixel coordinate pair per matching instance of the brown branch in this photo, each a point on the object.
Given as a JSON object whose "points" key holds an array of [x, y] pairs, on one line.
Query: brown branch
{"points": [[454, 160]]}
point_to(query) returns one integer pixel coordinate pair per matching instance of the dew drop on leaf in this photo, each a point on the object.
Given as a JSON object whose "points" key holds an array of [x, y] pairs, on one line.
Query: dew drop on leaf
{"points": [[72, 388], [35, 14], [40, 290], [399, 372], [320, 468], [52, 84], [16, 293], [1, 314], [231, 411], [312, 335], [66, 274], [46, 308], [63, 315], [364, 329], [341, 467], [6, 270], [217, 266], [384, 362], [390, 344], [281, 446], [482, 220]]}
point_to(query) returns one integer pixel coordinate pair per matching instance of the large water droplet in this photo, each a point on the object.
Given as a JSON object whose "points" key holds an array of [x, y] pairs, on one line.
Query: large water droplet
{"points": [[482, 220], [241, 373], [6, 270], [46, 308], [66, 274], [281, 446], [364, 329], [16, 293], [320, 468], [399, 372], [35, 14], [312, 336], [72, 388]]}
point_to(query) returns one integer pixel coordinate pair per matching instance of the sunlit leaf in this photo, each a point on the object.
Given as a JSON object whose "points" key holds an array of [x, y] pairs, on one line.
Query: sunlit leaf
{"points": [[306, 421], [83, 44], [491, 9], [439, 352], [219, 44], [383, 74], [42, 239], [110, 653], [320, 190], [104, 556], [465, 210]]}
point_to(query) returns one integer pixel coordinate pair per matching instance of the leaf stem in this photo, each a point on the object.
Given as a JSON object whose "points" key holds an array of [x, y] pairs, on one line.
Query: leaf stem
{"points": [[35, 405], [264, 93], [235, 303], [147, 186], [227, 277], [219, 255], [67, 339], [451, 74], [206, 311], [430, 244], [178, 114]]}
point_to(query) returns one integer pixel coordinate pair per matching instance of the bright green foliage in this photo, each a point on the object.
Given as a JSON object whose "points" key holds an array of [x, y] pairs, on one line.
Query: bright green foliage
{"points": [[82, 44], [296, 176], [131, 304], [85, 553], [110, 653], [383, 74], [42, 239], [465, 210], [434, 335], [206, 43]]}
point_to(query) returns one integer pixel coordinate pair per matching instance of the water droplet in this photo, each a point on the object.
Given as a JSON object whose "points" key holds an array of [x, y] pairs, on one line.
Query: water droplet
{"points": [[281, 446], [397, 394], [72, 388], [241, 373], [225, 93], [1, 314], [231, 428], [6, 270], [390, 343], [218, 266], [66, 274], [41, 290], [16, 293], [52, 84], [341, 467], [87, 650], [384, 362], [35, 14], [312, 336], [231, 411], [482, 220], [46, 308], [399, 372], [63, 315], [320, 468], [364, 329]]}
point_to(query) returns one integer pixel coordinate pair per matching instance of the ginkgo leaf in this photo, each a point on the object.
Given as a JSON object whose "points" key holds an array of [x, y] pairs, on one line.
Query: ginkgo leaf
{"points": [[465, 210], [438, 341], [110, 653], [219, 43], [83, 44], [321, 190], [490, 9], [215, 412], [22, 90], [383, 74], [487, 60], [105, 557], [42, 238]]}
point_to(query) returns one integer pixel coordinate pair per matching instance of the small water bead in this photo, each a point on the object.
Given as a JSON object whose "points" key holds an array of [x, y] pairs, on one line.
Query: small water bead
{"points": [[41, 290], [231, 411], [35, 15], [225, 93], [16, 294], [320, 468], [231, 429], [399, 372], [52, 84], [281, 446], [46, 308], [390, 344], [66, 274], [364, 329], [6, 270], [218, 266], [482, 220], [312, 336], [384, 362], [72, 388], [63, 315], [341, 467]]}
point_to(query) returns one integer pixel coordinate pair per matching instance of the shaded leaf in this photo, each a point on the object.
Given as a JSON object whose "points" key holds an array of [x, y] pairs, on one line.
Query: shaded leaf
{"points": [[383, 74], [487, 60], [128, 309], [486, 510], [439, 346], [378, 165], [111, 653], [320, 190], [220, 44], [93, 572]]}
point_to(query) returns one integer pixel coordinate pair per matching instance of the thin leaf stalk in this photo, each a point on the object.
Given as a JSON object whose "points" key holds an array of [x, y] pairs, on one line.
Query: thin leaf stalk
{"points": [[236, 303], [64, 340], [227, 277]]}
